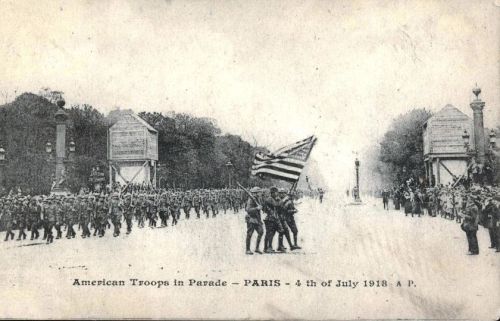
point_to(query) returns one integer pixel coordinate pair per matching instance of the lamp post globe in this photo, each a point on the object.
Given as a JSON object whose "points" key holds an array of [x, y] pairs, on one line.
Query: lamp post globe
{"points": [[48, 148]]}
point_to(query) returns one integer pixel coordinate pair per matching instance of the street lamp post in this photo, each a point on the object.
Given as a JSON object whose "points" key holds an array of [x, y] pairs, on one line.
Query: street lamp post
{"points": [[493, 139], [229, 167], [357, 198]]}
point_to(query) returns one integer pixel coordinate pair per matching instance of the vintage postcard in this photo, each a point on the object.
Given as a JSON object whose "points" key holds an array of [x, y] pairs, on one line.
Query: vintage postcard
{"points": [[250, 160]]}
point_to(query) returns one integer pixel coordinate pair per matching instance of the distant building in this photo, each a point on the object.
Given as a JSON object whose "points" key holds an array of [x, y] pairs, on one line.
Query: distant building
{"points": [[445, 155], [132, 150]]}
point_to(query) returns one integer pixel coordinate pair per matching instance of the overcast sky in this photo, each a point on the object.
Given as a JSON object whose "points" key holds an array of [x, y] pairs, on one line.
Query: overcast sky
{"points": [[273, 71]]}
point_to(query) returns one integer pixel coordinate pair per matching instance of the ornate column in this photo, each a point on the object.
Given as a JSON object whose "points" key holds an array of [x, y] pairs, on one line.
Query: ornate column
{"points": [[477, 106], [61, 118]]}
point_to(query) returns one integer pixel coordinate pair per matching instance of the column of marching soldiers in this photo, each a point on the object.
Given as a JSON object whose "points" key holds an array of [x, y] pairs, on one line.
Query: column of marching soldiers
{"points": [[471, 206], [97, 212]]}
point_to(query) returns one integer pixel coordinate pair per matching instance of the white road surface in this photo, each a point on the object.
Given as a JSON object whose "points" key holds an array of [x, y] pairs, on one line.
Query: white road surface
{"points": [[340, 242]]}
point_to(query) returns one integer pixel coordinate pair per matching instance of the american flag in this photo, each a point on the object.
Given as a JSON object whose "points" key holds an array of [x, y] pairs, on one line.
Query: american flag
{"points": [[286, 163]]}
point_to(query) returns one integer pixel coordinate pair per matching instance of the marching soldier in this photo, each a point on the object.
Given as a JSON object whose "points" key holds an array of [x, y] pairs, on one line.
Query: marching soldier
{"points": [[50, 217], [152, 210], [8, 219], [71, 217], [115, 212], [34, 212], [281, 217], [205, 204], [196, 202], [100, 218], [271, 221], [128, 212], [21, 210], [186, 204], [59, 217], [175, 208], [253, 220], [139, 208], [163, 210], [288, 211], [86, 215]]}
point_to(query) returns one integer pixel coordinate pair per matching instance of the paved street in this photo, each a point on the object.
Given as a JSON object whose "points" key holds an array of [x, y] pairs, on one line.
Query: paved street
{"points": [[358, 243]]}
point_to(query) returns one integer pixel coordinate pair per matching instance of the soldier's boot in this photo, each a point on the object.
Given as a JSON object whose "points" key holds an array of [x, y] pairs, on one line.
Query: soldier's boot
{"points": [[21, 232], [295, 246], [281, 248]]}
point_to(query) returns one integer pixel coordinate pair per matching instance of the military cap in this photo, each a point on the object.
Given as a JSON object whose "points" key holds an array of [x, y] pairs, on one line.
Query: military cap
{"points": [[282, 190], [273, 189], [255, 189]]}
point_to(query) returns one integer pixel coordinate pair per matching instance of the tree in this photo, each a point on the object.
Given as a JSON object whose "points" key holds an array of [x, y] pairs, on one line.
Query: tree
{"points": [[401, 150]]}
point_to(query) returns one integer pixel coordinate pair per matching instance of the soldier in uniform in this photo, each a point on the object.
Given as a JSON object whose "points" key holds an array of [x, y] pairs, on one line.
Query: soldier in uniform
{"points": [[196, 202], [281, 217], [71, 217], [186, 204], [470, 225], [211, 203], [50, 216], [34, 212], [253, 220], [143, 204], [489, 211], [128, 211], [152, 210], [271, 221], [496, 219], [8, 219], [86, 215], [139, 211], [101, 216], [21, 212], [205, 204], [175, 208], [321, 194], [115, 212], [59, 217], [163, 210], [287, 212]]}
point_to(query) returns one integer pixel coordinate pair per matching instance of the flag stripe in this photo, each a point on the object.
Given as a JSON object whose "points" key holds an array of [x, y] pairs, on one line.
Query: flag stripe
{"points": [[286, 160], [278, 167], [276, 174]]}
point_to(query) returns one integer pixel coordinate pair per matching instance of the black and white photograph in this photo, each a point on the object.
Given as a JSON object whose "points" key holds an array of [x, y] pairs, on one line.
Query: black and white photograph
{"points": [[250, 160]]}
